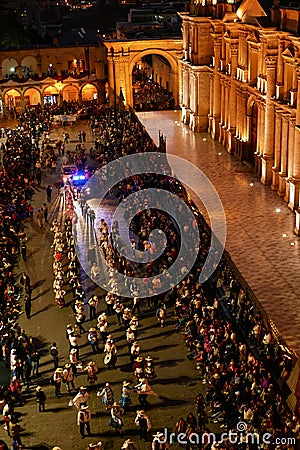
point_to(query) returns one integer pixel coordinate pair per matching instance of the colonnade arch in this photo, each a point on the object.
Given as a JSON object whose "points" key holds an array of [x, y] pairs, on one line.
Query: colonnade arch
{"points": [[19, 99], [122, 57], [89, 92], [29, 66], [32, 96], [9, 66], [13, 100], [70, 93]]}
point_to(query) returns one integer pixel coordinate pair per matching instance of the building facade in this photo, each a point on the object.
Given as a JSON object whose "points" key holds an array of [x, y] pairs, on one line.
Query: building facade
{"points": [[241, 82], [51, 75]]}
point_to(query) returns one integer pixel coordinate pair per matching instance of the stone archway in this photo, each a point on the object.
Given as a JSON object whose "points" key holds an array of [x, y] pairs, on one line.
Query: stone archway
{"points": [[32, 96], [29, 66], [89, 92], [51, 95], [13, 100], [70, 93], [9, 67], [122, 56]]}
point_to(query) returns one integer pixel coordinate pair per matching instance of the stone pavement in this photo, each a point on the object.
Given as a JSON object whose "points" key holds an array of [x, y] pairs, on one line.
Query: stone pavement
{"points": [[178, 382], [260, 237]]}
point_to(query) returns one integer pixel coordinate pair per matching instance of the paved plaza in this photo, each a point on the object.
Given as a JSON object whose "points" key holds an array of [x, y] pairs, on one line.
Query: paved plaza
{"points": [[260, 237]]}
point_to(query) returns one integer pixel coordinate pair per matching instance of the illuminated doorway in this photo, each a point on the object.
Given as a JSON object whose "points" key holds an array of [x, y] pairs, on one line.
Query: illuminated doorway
{"points": [[32, 97], [51, 96], [89, 92], [13, 100]]}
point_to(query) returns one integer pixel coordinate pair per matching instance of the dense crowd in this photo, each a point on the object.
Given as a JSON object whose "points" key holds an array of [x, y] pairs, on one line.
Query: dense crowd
{"points": [[240, 364], [20, 155], [238, 360], [149, 95]]}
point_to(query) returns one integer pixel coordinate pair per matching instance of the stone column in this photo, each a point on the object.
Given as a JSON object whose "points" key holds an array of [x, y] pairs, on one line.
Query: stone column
{"points": [[185, 34], [268, 155], [127, 86], [277, 149], [19, 70], [260, 129], [58, 68], [117, 73], [295, 181], [211, 97], [40, 71], [111, 75], [196, 100], [290, 192], [217, 89], [187, 88], [279, 73], [232, 99], [238, 114], [244, 116], [227, 90], [284, 152], [186, 94], [222, 107]]}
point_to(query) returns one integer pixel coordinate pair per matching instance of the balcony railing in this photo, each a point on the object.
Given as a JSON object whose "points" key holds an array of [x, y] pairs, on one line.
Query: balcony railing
{"points": [[54, 76]]}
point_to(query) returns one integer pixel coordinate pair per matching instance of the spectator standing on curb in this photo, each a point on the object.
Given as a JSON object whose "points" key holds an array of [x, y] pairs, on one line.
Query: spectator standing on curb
{"points": [[41, 398], [24, 251], [35, 361], [39, 218], [144, 424], [49, 193], [54, 354], [57, 380], [27, 306], [83, 420], [44, 210]]}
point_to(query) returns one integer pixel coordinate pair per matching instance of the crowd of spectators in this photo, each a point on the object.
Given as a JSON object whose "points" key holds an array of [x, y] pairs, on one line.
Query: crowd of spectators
{"points": [[20, 154], [240, 364], [149, 95]]}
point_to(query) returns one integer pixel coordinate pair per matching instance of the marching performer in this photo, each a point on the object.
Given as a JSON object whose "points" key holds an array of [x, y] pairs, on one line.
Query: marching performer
{"points": [[92, 371], [125, 400], [138, 368], [107, 395], [143, 389], [110, 349], [149, 371]]}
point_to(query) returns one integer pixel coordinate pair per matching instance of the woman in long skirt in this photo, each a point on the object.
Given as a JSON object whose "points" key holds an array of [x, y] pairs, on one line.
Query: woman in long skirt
{"points": [[92, 371], [116, 418], [107, 395], [125, 400]]}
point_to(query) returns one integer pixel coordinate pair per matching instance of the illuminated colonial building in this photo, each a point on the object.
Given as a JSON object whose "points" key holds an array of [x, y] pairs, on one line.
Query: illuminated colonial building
{"points": [[32, 76], [241, 82]]}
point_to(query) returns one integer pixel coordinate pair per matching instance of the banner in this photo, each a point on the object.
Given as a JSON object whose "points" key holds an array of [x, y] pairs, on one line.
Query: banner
{"points": [[65, 117]]}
